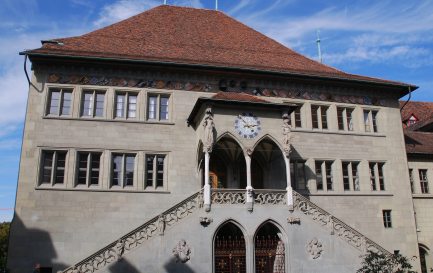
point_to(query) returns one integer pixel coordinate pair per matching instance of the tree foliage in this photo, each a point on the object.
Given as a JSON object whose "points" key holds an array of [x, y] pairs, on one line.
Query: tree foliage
{"points": [[4, 239], [380, 263]]}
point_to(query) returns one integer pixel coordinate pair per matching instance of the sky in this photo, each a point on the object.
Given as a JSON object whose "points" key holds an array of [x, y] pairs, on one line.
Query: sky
{"points": [[390, 39]]}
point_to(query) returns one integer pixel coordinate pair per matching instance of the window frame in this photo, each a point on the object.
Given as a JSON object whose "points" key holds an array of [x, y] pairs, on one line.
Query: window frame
{"points": [[387, 218], [346, 119], [88, 169], [62, 90], [126, 104], [154, 186], [296, 117], [294, 174], [423, 181], [94, 92], [327, 182], [353, 180], [158, 106], [53, 169], [370, 120], [377, 177], [122, 184], [320, 115]]}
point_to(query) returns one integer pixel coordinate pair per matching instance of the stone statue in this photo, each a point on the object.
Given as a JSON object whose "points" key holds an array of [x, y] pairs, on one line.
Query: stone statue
{"points": [[287, 135], [161, 224], [209, 126], [182, 251], [279, 256]]}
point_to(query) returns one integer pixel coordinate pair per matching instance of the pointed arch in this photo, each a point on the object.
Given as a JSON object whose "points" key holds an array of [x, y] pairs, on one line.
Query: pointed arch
{"points": [[269, 138], [232, 136], [229, 247]]}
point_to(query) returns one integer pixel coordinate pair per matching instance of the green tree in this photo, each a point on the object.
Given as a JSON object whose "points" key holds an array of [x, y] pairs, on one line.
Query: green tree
{"points": [[4, 239], [380, 263]]}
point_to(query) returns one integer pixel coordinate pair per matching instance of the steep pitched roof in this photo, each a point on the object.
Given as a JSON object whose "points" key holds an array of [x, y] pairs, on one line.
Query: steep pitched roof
{"points": [[192, 36], [422, 110]]}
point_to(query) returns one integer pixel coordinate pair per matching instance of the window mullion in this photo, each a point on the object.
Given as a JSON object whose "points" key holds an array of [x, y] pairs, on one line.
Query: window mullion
{"points": [[350, 174], [154, 173], [94, 104], [59, 112], [324, 178], [88, 172], [345, 124], [157, 107], [53, 168]]}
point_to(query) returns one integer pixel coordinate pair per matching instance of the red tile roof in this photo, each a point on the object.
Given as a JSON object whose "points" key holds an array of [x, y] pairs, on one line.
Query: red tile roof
{"points": [[237, 97], [418, 142], [192, 36], [422, 110]]}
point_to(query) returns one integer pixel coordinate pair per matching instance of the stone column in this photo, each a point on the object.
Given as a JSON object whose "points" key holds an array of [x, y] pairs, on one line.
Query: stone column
{"points": [[249, 189], [289, 184], [207, 187]]}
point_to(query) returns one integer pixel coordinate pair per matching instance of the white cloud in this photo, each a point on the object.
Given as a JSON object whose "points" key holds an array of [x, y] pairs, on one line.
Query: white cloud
{"points": [[123, 9]]}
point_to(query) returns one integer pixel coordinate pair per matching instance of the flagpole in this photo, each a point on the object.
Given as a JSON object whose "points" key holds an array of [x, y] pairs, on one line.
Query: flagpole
{"points": [[216, 4]]}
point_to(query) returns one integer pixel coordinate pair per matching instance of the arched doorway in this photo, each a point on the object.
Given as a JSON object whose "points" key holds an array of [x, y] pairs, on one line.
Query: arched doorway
{"points": [[423, 255], [268, 169], [229, 250], [269, 250], [227, 165]]}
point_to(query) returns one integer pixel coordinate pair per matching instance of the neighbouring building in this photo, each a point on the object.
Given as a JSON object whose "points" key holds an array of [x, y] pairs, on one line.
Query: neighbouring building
{"points": [[417, 120], [181, 140]]}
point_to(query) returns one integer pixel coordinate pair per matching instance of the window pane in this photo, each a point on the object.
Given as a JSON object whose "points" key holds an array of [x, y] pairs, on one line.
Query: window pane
{"points": [[411, 180], [120, 106], [349, 115], [151, 107], [381, 178], [367, 121], [298, 122], [423, 181], [82, 168], [94, 165], [99, 106], [329, 182], [355, 176], [54, 102], [387, 223], [60, 168], [163, 110], [314, 116], [116, 170], [66, 105], [129, 170], [88, 104], [47, 163], [340, 118], [132, 106], [346, 183], [149, 170], [374, 120], [300, 171], [324, 111], [160, 170], [372, 176]]}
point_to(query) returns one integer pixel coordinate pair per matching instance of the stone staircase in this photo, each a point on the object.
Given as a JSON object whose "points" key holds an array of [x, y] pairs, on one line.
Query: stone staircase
{"points": [[157, 225]]}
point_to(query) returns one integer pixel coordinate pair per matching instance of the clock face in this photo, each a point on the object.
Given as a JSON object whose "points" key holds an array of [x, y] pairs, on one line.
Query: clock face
{"points": [[247, 125]]}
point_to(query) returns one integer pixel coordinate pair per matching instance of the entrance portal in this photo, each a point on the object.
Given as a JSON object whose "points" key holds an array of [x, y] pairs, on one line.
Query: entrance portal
{"points": [[269, 250], [229, 250]]}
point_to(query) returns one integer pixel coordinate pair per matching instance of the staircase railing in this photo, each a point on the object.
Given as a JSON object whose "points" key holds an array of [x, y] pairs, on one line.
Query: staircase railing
{"points": [[155, 226], [336, 226]]}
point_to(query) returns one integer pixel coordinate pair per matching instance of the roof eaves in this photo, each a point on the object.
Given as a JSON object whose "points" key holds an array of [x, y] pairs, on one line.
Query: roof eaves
{"points": [[279, 72]]}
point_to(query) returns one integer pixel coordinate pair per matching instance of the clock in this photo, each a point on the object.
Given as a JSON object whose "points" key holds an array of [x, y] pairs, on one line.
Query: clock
{"points": [[247, 125]]}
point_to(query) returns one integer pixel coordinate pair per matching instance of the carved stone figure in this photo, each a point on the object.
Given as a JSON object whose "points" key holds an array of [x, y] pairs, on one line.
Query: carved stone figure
{"points": [[161, 224], [315, 248], [294, 220], [287, 135], [205, 220], [182, 252], [209, 125], [279, 257]]}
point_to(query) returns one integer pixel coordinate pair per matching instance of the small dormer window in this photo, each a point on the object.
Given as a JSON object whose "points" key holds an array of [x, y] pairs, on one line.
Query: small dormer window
{"points": [[412, 120]]}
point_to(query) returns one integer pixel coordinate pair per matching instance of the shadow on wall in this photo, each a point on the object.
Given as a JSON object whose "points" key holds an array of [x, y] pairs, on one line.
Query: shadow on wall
{"points": [[123, 266], [30, 246], [172, 266]]}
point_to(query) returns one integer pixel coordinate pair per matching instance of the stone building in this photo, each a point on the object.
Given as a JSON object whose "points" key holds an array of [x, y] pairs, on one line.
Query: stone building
{"points": [[181, 140], [417, 120]]}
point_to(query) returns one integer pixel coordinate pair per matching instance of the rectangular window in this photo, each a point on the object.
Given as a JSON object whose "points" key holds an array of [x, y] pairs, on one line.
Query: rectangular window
{"points": [[372, 176], [295, 118], [380, 176], [370, 121], [345, 118], [319, 175], [423, 181], [122, 170], [350, 176], [411, 180], [155, 169], [297, 173], [53, 167], [88, 168], [60, 101], [158, 107], [329, 180], [126, 105], [346, 178], [387, 222], [92, 103], [319, 116]]}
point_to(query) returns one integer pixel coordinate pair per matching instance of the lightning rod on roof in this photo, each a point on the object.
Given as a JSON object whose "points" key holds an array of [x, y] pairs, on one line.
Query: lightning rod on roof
{"points": [[318, 46]]}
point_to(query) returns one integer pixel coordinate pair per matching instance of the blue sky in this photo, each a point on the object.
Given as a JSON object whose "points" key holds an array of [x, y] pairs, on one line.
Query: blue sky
{"points": [[390, 39]]}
